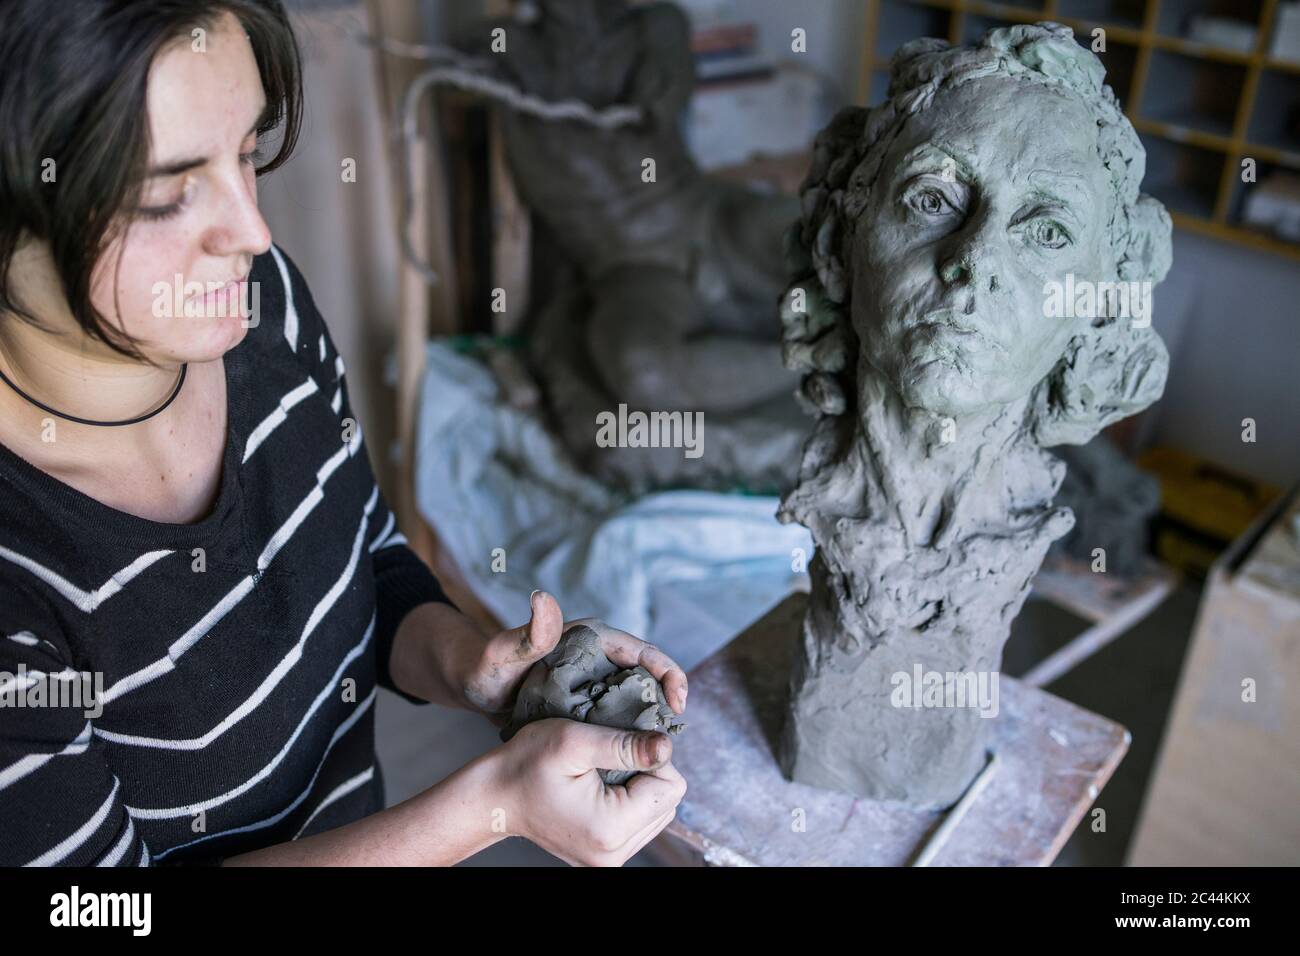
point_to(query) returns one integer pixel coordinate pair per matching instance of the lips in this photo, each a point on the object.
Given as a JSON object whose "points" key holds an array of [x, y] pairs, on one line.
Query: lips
{"points": [[944, 322], [234, 288]]}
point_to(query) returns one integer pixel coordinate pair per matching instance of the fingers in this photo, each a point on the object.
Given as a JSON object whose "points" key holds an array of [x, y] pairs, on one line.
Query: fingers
{"points": [[639, 840], [619, 855], [534, 640], [587, 747], [628, 651], [667, 773], [652, 793], [659, 792], [660, 786]]}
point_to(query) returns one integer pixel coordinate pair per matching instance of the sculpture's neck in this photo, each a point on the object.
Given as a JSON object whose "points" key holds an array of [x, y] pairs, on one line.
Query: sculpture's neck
{"points": [[938, 474]]}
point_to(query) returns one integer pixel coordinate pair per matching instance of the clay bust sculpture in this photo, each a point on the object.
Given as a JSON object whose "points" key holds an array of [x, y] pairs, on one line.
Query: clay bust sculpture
{"points": [[933, 228], [673, 307]]}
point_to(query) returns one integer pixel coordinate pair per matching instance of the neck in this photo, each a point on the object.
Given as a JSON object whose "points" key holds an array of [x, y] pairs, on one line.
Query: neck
{"points": [[76, 375], [894, 494], [938, 473]]}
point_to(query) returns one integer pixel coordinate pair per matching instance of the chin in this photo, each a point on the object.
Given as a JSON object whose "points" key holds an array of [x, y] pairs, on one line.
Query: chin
{"points": [[218, 337], [941, 389]]}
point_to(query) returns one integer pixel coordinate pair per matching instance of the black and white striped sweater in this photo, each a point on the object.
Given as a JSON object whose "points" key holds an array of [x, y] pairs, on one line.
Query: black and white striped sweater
{"points": [[239, 655]]}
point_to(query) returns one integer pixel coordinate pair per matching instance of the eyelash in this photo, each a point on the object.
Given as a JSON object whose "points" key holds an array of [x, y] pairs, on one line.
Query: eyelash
{"points": [[159, 213]]}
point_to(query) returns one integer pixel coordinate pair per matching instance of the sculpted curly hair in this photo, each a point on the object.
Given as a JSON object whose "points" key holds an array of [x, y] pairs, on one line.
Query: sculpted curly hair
{"points": [[1110, 371]]}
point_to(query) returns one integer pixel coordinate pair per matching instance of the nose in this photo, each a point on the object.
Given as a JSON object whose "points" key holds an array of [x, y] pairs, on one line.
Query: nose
{"points": [[955, 271], [239, 229], [970, 259]]}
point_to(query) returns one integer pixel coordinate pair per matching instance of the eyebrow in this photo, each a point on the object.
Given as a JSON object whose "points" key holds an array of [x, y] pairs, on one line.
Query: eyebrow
{"points": [[1068, 181], [179, 166], [919, 153]]}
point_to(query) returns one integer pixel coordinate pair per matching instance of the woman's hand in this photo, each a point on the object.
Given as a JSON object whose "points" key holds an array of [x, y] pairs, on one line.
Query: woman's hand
{"points": [[546, 778], [492, 677]]}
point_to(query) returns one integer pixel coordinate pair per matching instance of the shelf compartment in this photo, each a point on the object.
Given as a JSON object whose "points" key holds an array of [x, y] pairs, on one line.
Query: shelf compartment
{"points": [[1275, 116], [1182, 176], [1175, 19], [1241, 192], [1199, 95], [1122, 13], [901, 22]]}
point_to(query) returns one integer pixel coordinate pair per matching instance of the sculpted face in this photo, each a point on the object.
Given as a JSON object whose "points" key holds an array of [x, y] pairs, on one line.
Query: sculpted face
{"points": [[983, 198]]}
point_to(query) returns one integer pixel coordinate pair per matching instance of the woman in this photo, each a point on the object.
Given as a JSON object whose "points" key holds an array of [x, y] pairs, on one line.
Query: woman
{"points": [[188, 520]]}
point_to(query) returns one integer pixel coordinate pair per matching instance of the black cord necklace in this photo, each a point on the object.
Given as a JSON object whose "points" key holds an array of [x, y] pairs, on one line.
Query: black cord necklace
{"points": [[86, 421]]}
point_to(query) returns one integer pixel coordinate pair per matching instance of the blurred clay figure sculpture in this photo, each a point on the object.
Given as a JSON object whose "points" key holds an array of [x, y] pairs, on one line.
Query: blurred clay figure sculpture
{"points": [[1113, 501], [938, 231], [577, 681], [674, 309]]}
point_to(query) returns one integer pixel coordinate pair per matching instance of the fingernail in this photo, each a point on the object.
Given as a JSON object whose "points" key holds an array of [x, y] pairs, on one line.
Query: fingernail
{"points": [[533, 597]]}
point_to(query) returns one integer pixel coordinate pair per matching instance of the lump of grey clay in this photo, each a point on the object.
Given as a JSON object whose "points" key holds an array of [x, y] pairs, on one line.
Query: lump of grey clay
{"points": [[577, 681]]}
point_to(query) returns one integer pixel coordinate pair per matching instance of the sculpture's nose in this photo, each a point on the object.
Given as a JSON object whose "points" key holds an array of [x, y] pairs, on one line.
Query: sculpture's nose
{"points": [[954, 271], [968, 262]]}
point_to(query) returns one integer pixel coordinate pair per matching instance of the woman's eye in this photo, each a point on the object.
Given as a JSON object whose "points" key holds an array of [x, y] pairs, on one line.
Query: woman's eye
{"points": [[156, 213], [251, 159], [1049, 233]]}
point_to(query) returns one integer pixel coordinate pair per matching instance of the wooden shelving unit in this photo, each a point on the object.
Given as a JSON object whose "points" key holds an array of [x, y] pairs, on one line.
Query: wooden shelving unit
{"points": [[1200, 110]]}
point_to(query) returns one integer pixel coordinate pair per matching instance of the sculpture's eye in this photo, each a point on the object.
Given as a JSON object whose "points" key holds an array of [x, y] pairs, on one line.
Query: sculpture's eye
{"points": [[1049, 233], [929, 201]]}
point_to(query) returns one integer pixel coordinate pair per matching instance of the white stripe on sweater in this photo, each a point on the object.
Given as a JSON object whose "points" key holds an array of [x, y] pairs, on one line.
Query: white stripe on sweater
{"points": [[119, 850], [290, 311], [16, 683], [86, 601], [61, 850], [189, 809], [264, 690], [271, 821], [25, 765], [383, 533], [394, 539], [337, 794], [278, 417], [282, 535]]}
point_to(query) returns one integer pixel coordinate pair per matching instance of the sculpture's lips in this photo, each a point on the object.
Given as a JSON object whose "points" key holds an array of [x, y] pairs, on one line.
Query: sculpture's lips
{"points": [[944, 321]]}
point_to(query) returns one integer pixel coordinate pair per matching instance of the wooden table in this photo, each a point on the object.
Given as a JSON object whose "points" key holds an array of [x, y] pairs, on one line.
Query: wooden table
{"points": [[1053, 760]]}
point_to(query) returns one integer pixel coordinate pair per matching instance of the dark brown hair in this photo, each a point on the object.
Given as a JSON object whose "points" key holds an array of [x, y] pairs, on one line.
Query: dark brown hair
{"points": [[73, 80]]}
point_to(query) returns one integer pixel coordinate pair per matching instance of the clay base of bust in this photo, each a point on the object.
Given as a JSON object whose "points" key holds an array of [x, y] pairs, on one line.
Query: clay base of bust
{"points": [[1053, 760], [924, 757]]}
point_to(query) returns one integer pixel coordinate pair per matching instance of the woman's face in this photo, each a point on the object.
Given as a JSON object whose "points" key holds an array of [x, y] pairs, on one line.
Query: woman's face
{"points": [[987, 195], [174, 280]]}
